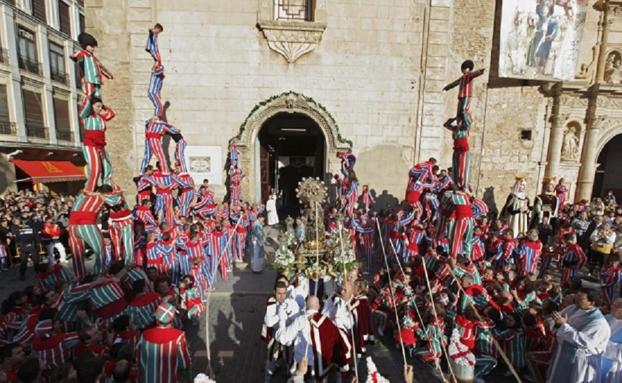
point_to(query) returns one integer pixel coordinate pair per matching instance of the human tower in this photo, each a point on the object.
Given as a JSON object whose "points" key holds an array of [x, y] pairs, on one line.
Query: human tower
{"points": [[158, 233]]}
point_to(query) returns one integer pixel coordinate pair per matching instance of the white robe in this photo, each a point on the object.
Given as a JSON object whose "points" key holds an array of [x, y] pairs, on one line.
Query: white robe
{"points": [[273, 216], [612, 357], [580, 342]]}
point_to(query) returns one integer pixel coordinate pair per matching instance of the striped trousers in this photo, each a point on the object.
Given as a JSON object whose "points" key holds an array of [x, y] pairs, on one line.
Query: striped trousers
{"points": [[164, 208], [461, 171], [121, 234], [92, 236], [97, 165], [154, 146], [461, 237], [180, 154], [89, 90], [239, 244], [184, 199], [153, 92], [464, 112]]}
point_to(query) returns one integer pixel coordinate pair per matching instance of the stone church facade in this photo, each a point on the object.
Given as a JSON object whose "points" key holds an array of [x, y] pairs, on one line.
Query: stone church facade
{"points": [[370, 75]]}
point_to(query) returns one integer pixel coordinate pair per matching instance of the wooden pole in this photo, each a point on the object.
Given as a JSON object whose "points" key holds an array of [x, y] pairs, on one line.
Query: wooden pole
{"points": [[356, 370]]}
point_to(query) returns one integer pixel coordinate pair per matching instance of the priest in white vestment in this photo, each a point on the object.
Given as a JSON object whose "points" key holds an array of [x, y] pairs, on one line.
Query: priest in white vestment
{"points": [[582, 335], [611, 365]]}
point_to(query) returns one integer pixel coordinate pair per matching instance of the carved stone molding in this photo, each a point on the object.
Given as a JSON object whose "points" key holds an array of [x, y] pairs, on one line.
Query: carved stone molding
{"points": [[292, 39], [288, 102]]}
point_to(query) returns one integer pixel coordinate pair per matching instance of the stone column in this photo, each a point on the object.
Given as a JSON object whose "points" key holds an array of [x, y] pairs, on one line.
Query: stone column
{"points": [[585, 181], [14, 89], [46, 96], [556, 138]]}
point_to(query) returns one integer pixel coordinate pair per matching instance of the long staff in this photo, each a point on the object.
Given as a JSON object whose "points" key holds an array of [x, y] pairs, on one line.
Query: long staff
{"points": [[356, 370]]}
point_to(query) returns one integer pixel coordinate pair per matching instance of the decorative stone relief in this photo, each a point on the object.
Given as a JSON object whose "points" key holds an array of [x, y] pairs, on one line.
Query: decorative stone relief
{"points": [[292, 39]]}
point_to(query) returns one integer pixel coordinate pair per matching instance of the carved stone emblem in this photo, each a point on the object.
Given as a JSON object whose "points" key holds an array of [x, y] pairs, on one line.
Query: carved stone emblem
{"points": [[292, 39]]}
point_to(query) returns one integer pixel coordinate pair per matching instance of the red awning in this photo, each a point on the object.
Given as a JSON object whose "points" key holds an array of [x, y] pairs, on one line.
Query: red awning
{"points": [[49, 171]]}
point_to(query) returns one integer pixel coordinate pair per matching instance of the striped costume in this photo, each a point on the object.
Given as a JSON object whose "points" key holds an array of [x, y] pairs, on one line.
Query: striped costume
{"points": [[235, 187], [478, 249], [192, 302], [365, 232], [155, 87], [366, 198], [513, 340], [83, 228], [121, 230], [239, 241], [157, 74], [434, 335], [142, 308], [461, 158], [167, 251], [163, 353], [461, 229], [609, 277], [465, 93], [528, 256], [53, 350], [205, 206], [144, 215], [153, 257], [92, 72], [56, 275], [107, 299], [418, 176], [144, 186], [186, 194], [165, 183], [216, 241], [572, 261], [94, 147], [154, 131]]}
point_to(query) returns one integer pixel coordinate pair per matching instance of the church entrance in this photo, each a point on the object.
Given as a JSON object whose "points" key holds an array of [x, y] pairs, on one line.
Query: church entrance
{"points": [[291, 146], [608, 177]]}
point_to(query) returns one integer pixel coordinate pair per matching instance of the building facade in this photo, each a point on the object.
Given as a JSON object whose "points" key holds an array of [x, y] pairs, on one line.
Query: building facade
{"points": [[298, 81], [39, 92]]}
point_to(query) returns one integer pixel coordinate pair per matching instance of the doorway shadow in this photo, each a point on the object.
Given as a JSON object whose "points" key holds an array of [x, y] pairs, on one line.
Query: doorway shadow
{"points": [[384, 201]]}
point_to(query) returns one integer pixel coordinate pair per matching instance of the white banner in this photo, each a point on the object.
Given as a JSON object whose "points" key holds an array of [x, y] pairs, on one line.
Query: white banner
{"points": [[540, 39], [205, 162]]}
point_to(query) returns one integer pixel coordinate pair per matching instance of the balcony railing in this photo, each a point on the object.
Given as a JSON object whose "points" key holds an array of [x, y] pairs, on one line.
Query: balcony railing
{"points": [[8, 128], [36, 130], [28, 64], [59, 76], [64, 135]]}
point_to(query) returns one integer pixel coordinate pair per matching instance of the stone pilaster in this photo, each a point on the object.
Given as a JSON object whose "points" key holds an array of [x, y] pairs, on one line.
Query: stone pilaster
{"points": [[556, 137]]}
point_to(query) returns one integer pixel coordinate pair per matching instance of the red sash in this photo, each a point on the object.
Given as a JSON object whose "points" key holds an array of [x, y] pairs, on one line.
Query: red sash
{"points": [[463, 211], [163, 191], [112, 309], [82, 218], [153, 135], [461, 144], [413, 196], [95, 138], [120, 214]]}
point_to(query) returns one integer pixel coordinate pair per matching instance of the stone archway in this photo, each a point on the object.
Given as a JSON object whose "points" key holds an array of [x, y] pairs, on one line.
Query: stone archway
{"points": [[609, 155], [288, 102]]}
